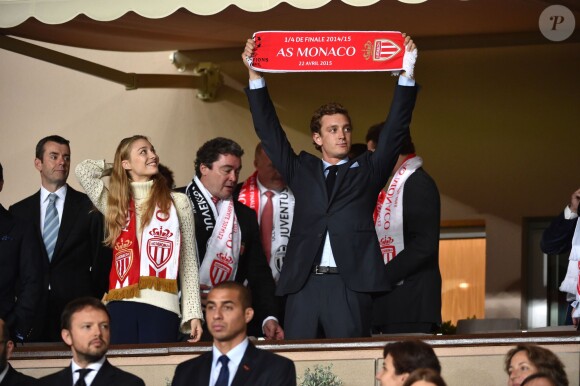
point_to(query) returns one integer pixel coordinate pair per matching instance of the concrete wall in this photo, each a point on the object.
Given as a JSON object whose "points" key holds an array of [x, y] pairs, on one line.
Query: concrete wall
{"points": [[461, 366]]}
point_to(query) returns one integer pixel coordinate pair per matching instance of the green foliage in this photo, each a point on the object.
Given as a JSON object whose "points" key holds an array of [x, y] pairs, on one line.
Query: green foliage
{"points": [[448, 328], [320, 376]]}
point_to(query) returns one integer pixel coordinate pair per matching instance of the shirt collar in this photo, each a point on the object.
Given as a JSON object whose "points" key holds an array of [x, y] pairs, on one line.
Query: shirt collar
{"points": [[326, 164], [236, 354], [3, 373], [96, 366], [60, 192]]}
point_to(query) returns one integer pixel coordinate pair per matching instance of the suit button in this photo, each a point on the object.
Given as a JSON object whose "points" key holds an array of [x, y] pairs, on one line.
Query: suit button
{"points": [[320, 235]]}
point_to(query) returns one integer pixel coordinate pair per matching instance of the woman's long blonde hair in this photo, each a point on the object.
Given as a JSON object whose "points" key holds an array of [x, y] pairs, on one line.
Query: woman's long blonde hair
{"points": [[120, 194]]}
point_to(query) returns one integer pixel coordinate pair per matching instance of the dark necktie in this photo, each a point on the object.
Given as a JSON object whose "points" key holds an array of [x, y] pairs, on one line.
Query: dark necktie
{"points": [[224, 376], [82, 374], [267, 223], [331, 179]]}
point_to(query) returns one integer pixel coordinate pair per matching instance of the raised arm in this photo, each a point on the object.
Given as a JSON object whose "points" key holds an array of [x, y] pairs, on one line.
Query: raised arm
{"points": [[89, 174]]}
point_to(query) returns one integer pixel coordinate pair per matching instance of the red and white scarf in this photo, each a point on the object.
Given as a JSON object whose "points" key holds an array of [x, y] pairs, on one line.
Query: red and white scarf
{"points": [[388, 214], [222, 255], [571, 283], [282, 223], [153, 265]]}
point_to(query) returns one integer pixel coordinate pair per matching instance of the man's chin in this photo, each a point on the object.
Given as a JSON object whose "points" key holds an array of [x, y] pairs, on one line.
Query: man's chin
{"points": [[95, 356]]}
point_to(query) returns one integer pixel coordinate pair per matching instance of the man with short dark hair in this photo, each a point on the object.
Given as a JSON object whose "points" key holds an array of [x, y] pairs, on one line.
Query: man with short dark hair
{"points": [[227, 233], [233, 360], [21, 274], [407, 222], [85, 328], [402, 358], [333, 262], [74, 260], [266, 192], [9, 376]]}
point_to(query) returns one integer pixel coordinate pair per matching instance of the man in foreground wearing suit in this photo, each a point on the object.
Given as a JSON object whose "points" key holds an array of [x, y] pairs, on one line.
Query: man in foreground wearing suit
{"points": [[407, 224], [333, 261], [9, 376], [20, 273], [85, 328], [227, 233], [233, 361], [74, 261]]}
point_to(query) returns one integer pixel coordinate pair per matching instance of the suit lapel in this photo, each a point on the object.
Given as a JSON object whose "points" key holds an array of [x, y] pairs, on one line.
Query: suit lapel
{"points": [[343, 170], [6, 223], [103, 376], [246, 366], [35, 211], [204, 369], [69, 214]]}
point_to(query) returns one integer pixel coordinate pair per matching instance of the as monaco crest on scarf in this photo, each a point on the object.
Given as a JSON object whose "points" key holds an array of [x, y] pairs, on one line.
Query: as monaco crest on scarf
{"points": [[221, 268], [159, 247], [322, 51], [123, 258], [388, 248]]}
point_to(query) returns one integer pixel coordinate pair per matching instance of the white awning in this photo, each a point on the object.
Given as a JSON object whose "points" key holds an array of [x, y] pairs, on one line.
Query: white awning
{"points": [[14, 12]]}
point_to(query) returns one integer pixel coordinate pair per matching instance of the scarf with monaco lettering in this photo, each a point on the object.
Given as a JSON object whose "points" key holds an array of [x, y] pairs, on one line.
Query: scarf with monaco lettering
{"points": [[388, 214], [224, 238], [250, 196], [571, 283], [154, 265]]}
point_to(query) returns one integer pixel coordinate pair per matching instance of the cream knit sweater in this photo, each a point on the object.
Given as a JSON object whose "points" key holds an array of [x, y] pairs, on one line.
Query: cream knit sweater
{"points": [[89, 173]]}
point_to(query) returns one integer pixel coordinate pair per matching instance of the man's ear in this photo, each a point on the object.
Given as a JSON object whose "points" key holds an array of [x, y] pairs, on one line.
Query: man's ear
{"points": [[249, 314], [204, 169], [38, 164], [317, 138], [9, 348], [66, 337]]}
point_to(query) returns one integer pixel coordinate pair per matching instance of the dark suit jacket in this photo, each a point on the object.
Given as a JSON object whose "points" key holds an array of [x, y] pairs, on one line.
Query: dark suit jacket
{"points": [[557, 238], [80, 264], [252, 265], [108, 375], [418, 299], [348, 214], [14, 378], [20, 273], [257, 368]]}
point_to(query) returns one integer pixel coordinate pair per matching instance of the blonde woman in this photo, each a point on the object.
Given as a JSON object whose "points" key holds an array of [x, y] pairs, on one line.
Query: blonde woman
{"points": [[151, 231]]}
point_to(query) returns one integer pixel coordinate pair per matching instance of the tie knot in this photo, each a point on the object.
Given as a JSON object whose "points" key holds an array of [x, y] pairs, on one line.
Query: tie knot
{"points": [[83, 373], [269, 193], [52, 198], [215, 199], [224, 360], [332, 168]]}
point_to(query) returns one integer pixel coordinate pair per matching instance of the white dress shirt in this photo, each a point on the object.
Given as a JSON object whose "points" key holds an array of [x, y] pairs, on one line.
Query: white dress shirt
{"points": [[236, 354], [59, 203], [90, 377]]}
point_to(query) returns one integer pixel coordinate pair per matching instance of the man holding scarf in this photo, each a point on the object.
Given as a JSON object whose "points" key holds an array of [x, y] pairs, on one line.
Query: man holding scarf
{"points": [[333, 261], [561, 236], [407, 220], [227, 233], [266, 192]]}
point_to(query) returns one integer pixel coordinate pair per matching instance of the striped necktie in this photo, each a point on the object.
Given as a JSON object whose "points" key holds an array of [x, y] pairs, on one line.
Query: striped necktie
{"points": [[51, 225]]}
